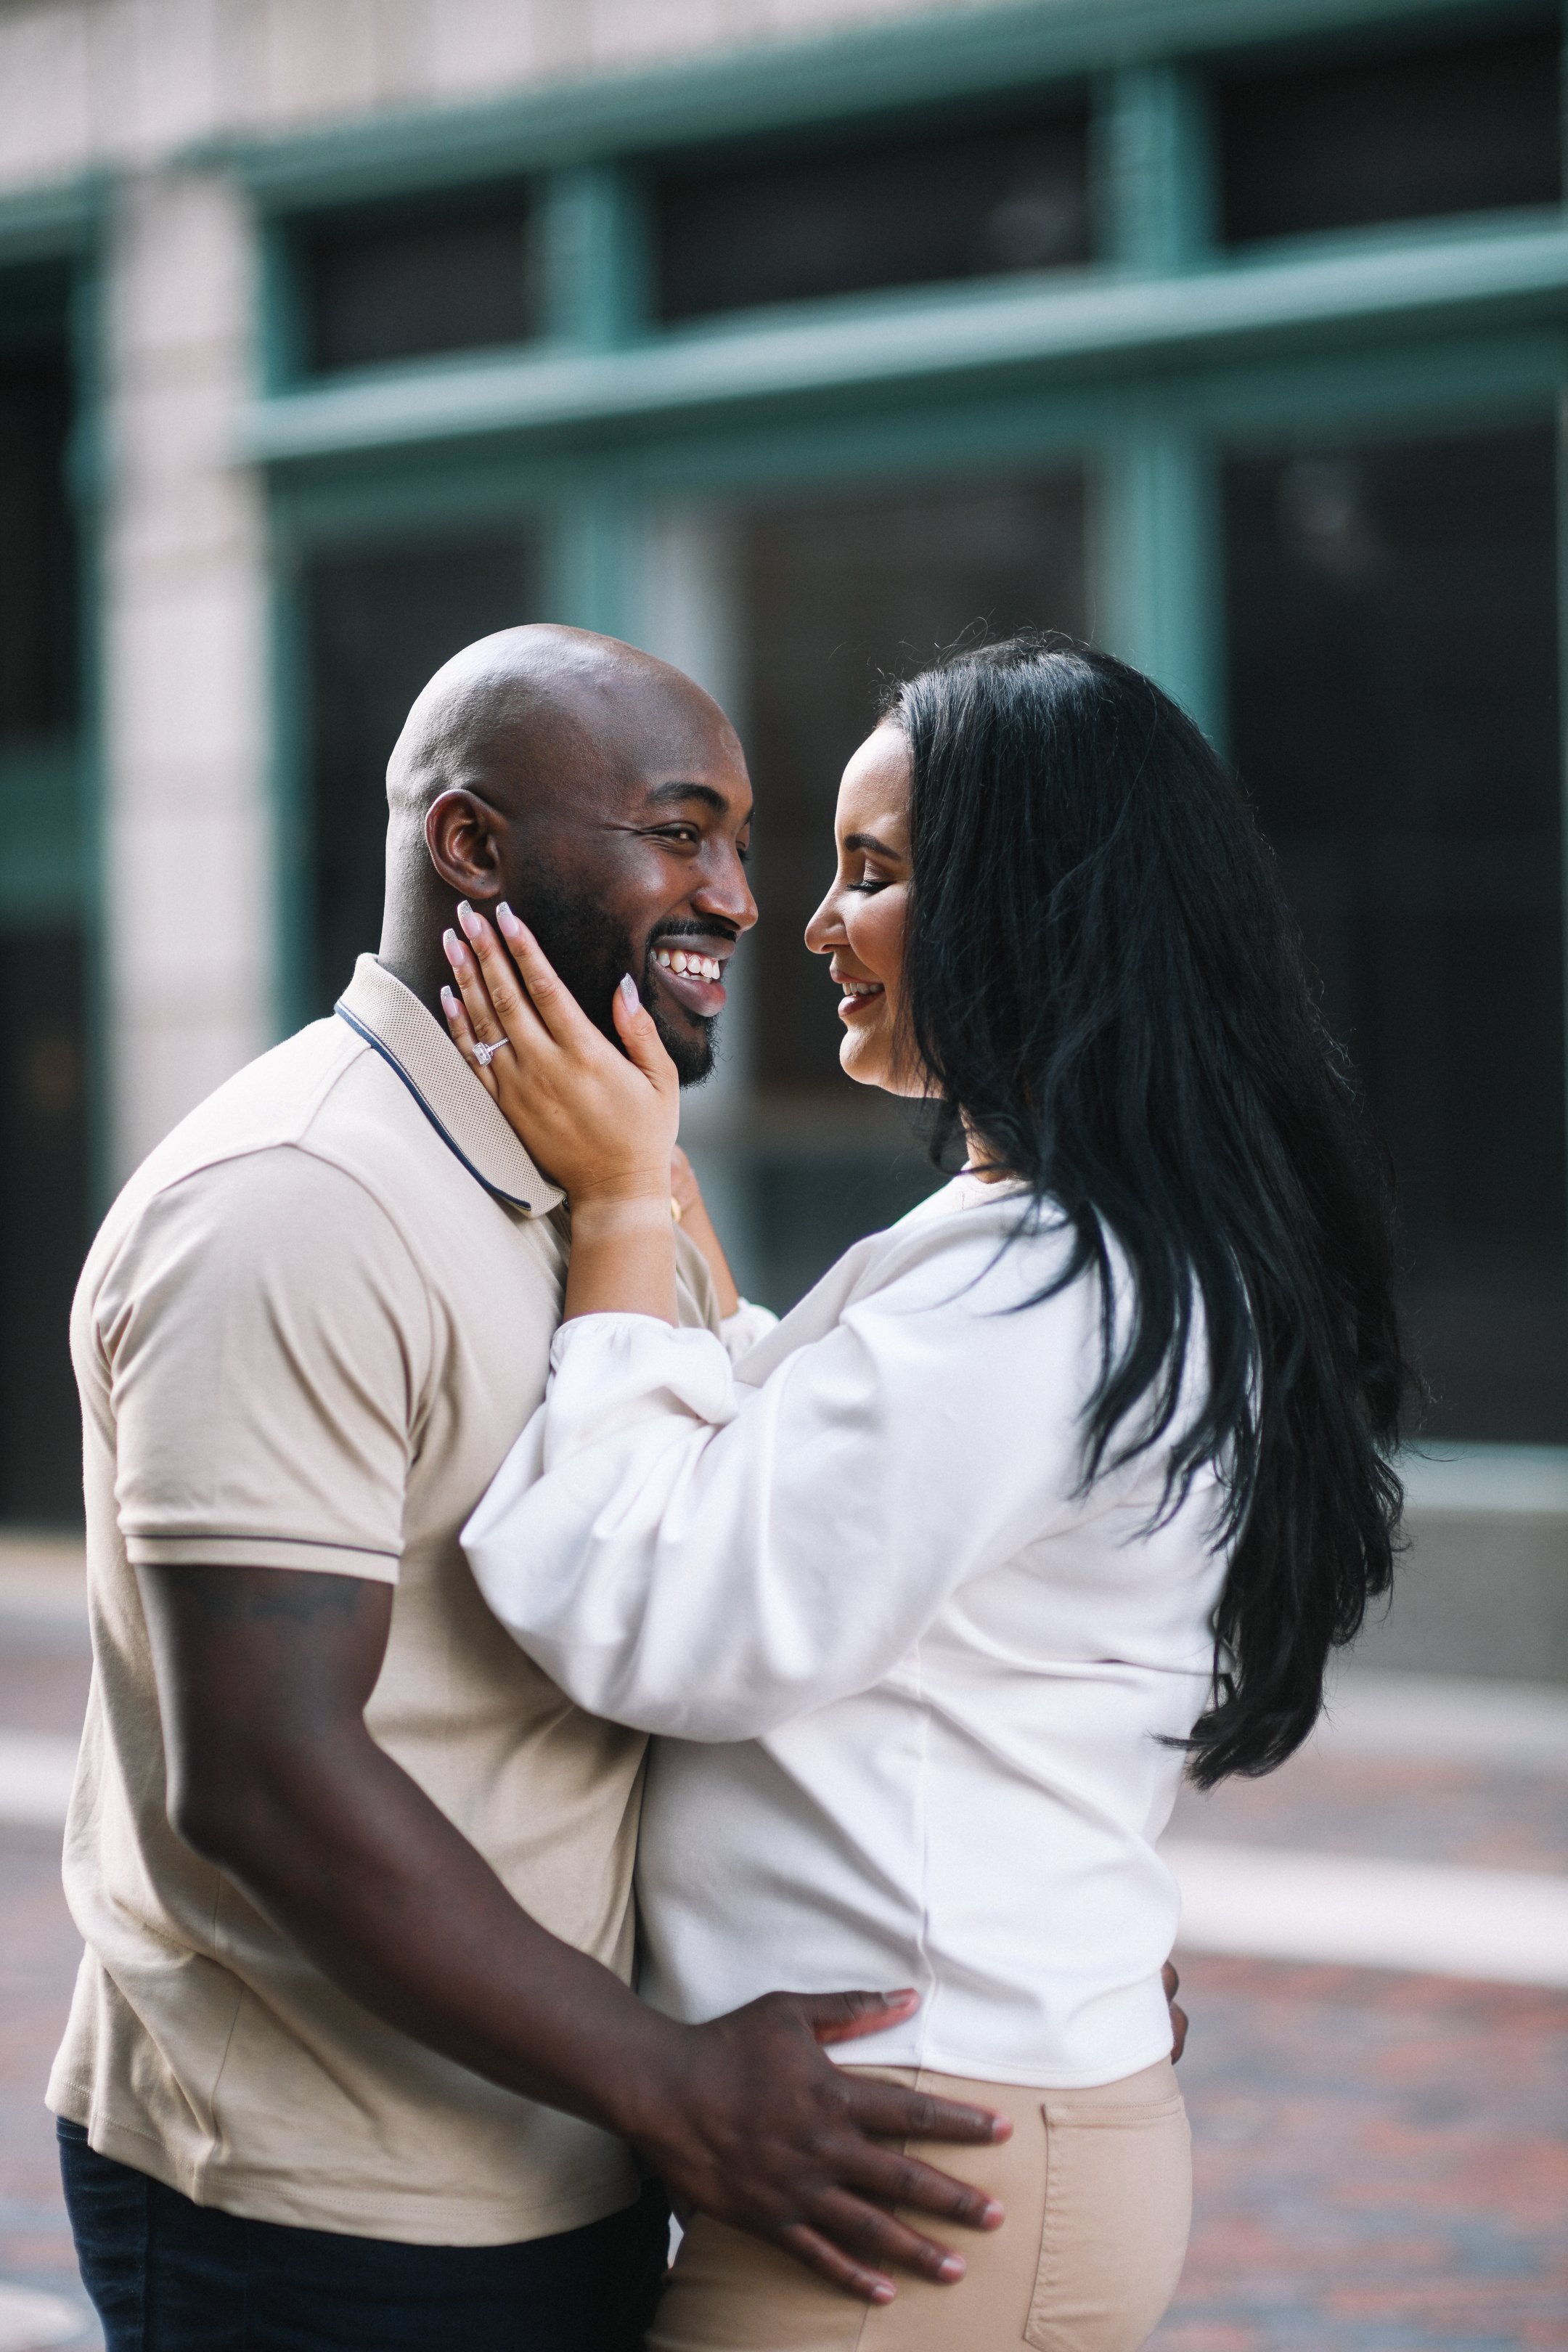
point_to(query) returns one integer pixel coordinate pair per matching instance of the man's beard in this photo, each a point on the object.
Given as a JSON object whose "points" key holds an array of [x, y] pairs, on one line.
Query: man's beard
{"points": [[590, 951]]}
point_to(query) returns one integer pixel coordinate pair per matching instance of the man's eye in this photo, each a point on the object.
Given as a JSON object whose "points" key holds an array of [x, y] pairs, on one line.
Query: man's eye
{"points": [[686, 835]]}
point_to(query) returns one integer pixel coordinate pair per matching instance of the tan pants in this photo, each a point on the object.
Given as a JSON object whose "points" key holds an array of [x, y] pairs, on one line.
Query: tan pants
{"points": [[1098, 2188]]}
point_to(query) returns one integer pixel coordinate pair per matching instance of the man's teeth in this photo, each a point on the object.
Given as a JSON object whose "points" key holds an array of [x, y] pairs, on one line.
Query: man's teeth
{"points": [[701, 967]]}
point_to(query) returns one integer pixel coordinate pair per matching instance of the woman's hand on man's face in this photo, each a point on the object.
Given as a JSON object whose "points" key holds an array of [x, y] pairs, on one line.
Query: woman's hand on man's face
{"points": [[600, 1123]]}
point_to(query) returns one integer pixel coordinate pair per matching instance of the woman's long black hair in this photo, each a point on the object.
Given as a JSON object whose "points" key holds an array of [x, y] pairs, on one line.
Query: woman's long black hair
{"points": [[1103, 976]]}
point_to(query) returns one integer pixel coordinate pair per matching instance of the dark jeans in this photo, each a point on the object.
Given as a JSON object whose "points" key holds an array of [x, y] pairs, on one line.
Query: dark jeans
{"points": [[166, 2275]]}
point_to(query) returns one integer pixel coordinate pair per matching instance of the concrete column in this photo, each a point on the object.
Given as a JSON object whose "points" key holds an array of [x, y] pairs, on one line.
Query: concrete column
{"points": [[188, 855]]}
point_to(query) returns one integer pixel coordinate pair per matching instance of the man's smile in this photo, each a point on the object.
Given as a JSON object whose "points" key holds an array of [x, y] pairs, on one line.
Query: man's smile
{"points": [[689, 968]]}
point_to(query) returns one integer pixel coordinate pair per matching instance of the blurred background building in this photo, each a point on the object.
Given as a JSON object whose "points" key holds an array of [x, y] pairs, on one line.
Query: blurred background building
{"points": [[792, 339], [797, 340]]}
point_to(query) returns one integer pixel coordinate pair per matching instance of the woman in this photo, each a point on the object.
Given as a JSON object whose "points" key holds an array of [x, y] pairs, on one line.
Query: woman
{"points": [[1072, 1477]]}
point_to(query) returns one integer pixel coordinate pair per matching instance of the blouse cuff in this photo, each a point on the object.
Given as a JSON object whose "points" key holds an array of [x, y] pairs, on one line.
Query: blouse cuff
{"points": [[610, 1371]]}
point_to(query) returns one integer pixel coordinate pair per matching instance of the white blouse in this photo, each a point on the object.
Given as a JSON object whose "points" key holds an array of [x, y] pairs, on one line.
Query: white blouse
{"points": [[911, 1687]]}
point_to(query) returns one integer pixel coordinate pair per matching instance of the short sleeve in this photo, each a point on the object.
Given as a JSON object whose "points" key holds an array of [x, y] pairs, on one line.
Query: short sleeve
{"points": [[268, 1341]]}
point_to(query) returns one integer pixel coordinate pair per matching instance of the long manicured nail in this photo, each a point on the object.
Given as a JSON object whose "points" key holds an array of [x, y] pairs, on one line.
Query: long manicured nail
{"points": [[453, 946], [449, 1003], [506, 918], [629, 996], [468, 919]]}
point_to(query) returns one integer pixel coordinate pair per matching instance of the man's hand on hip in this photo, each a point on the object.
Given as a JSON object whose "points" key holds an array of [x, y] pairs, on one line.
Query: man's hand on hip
{"points": [[748, 2122]]}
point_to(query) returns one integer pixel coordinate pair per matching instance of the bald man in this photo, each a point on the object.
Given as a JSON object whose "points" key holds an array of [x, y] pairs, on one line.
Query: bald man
{"points": [[354, 2061]]}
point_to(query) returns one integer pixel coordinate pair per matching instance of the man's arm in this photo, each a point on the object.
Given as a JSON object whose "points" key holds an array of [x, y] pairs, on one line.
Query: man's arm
{"points": [[263, 1678]]}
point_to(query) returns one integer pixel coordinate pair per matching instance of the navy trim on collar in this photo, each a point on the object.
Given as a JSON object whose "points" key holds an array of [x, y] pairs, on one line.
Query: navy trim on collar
{"points": [[512, 1199]]}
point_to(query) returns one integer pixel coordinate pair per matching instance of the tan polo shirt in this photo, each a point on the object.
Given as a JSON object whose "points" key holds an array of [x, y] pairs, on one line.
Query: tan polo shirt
{"points": [[312, 1327]]}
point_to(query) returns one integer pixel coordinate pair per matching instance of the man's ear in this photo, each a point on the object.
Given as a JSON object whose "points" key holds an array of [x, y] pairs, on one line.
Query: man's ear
{"points": [[463, 835]]}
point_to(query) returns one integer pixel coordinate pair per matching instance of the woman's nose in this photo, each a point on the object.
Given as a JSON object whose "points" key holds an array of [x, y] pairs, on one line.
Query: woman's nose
{"points": [[824, 931]]}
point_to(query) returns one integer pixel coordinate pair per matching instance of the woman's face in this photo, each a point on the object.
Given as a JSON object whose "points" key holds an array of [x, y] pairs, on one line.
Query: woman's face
{"points": [[860, 923]]}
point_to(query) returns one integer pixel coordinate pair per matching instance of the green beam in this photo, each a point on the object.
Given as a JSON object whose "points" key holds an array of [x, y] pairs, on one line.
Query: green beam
{"points": [[1032, 333], [937, 61], [1158, 585], [54, 223], [45, 851], [591, 255], [1158, 554], [587, 564], [1153, 169], [1404, 392]]}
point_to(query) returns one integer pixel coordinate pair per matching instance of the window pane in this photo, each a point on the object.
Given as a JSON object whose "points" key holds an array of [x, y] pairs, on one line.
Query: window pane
{"points": [[37, 568], [839, 597], [1393, 643], [42, 1222], [1461, 128], [916, 211], [406, 287], [380, 623]]}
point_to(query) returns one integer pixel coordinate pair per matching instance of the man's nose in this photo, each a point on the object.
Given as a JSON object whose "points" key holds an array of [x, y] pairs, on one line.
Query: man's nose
{"points": [[725, 892]]}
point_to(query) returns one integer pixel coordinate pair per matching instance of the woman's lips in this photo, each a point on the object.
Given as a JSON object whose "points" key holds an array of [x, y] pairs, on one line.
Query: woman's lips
{"points": [[860, 997]]}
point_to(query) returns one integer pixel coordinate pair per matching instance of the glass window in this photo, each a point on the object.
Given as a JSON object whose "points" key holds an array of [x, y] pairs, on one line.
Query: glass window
{"points": [[43, 1220], [840, 597], [38, 562], [1393, 622], [408, 286], [379, 622], [42, 1094], [1457, 127], [907, 211]]}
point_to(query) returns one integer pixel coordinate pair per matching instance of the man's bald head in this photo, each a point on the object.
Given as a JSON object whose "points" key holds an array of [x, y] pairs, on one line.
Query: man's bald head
{"points": [[543, 710], [600, 791]]}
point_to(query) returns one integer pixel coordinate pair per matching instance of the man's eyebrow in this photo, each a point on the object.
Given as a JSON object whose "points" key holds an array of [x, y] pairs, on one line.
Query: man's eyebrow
{"points": [[662, 796], [870, 841]]}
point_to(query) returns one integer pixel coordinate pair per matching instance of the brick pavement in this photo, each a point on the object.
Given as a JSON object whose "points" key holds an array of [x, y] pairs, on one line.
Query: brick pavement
{"points": [[1381, 2164], [38, 1965]]}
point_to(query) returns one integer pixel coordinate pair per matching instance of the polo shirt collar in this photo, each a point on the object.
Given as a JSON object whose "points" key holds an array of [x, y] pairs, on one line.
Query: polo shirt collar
{"points": [[390, 1018]]}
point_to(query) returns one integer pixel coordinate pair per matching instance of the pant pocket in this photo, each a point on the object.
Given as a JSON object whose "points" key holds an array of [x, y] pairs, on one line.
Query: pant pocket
{"points": [[1119, 2194]]}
